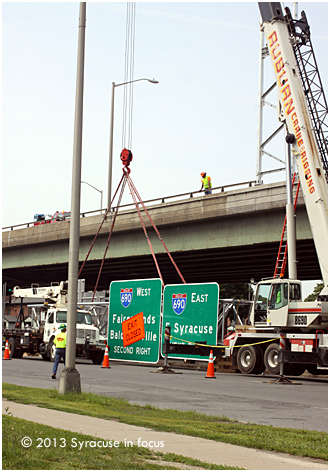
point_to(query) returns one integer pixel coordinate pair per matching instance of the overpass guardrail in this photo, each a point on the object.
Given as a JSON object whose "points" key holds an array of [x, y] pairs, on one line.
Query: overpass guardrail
{"points": [[159, 200]]}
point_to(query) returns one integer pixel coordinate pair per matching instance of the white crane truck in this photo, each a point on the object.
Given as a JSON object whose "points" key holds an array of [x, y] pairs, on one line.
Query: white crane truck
{"points": [[39, 337], [278, 312]]}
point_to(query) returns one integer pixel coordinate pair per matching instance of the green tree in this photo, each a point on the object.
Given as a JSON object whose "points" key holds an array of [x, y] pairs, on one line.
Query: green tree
{"points": [[313, 296], [240, 291]]}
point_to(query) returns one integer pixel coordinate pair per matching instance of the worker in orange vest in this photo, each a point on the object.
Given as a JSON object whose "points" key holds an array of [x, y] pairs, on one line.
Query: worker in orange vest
{"points": [[206, 183], [60, 344]]}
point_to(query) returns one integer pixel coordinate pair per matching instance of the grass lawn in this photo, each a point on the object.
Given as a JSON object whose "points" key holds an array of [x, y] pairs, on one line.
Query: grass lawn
{"points": [[58, 449], [298, 442]]}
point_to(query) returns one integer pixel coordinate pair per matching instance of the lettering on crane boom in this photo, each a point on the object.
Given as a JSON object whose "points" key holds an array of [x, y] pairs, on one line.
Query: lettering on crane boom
{"points": [[288, 103]]}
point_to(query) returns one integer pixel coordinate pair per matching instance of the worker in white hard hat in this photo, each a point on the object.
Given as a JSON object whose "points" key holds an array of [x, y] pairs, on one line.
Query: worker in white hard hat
{"points": [[206, 183]]}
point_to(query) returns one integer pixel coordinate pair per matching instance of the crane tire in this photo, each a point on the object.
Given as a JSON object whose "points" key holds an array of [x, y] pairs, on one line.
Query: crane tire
{"points": [[295, 369], [270, 359], [314, 370], [250, 360]]}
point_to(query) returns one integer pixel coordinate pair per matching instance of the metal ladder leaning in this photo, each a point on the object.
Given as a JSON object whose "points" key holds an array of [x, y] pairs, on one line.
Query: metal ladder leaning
{"points": [[282, 255]]}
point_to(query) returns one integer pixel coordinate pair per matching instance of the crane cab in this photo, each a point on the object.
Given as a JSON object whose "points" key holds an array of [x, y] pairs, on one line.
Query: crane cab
{"points": [[272, 300], [278, 304]]}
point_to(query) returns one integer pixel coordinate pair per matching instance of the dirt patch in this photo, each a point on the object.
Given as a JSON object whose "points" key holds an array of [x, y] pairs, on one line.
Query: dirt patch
{"points": [[177, 465]]}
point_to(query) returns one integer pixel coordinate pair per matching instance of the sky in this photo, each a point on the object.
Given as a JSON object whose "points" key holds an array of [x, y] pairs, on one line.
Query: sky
{"points": [[201, 116]]}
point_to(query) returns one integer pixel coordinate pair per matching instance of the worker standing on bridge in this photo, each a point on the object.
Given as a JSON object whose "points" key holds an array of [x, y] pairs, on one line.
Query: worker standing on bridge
{"points": [[206, 183], [60, 344]]}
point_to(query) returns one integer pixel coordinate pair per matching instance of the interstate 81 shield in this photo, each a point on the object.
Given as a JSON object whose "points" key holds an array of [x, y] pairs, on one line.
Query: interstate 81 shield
{"points": [[191, 310]]}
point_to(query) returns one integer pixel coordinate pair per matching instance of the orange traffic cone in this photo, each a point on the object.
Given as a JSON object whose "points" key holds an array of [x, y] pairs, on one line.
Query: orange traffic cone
{"points": [[6, 356], [106, 359], [210, 368]]}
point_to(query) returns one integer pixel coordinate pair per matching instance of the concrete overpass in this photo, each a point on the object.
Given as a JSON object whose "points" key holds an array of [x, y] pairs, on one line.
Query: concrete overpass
{"points": [[230, 236]]}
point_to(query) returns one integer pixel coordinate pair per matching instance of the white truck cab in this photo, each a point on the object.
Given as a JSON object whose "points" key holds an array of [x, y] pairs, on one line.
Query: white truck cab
{"points": [[85, 329], [278, 303], [39, 337]]}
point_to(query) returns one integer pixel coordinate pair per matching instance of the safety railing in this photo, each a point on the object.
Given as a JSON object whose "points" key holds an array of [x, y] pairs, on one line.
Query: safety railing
{"points": [[154, 201]]}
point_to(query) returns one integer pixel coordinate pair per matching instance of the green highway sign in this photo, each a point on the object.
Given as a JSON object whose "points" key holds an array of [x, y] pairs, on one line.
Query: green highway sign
{"points": [[191, 310], [127, 299]]}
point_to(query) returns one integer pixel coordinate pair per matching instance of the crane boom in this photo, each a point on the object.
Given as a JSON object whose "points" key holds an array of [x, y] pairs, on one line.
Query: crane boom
{"points": [[295, 112], [55, 294], [283, 334]]}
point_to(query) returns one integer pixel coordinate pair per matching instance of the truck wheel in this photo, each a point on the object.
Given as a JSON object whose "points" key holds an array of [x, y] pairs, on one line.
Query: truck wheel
{"points": [[249, 360], [52, 352], [295, 369], [270, 358], [11, 347], [314, 370], [19, 353], [97, 357]]}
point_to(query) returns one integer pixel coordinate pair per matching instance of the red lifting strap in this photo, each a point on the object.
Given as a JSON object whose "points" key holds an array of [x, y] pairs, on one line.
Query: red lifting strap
{"points": [[130, 182], [126, 157]]}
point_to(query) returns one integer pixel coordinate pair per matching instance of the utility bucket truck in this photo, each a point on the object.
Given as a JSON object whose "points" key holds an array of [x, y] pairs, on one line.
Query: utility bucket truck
{"points": [[39, 337], [282, 329]]}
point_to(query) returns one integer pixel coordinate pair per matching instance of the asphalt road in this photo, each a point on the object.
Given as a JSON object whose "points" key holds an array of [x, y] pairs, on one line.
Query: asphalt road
{"points": [[247, 398]]}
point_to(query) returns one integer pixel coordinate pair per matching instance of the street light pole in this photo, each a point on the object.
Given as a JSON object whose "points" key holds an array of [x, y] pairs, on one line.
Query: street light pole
{"points": [[111, 143], [152, 81], [100, 191], [70, 377]]}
